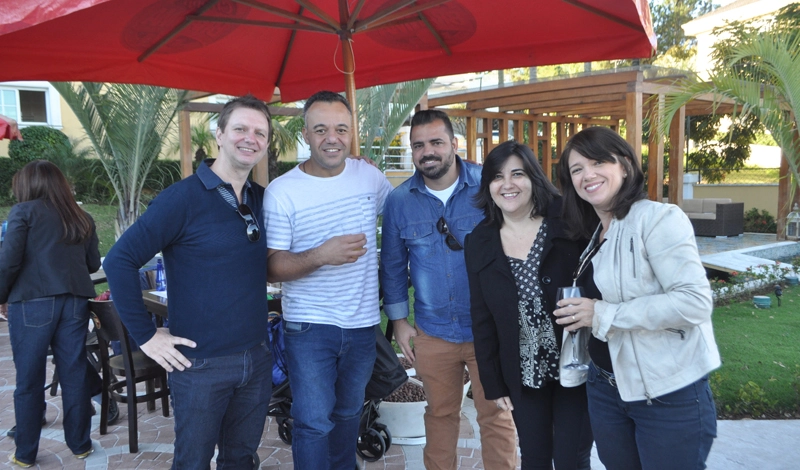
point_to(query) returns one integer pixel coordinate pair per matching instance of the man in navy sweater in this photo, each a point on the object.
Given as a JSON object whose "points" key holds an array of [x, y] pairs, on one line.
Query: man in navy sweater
{"points": [[215, 348]]}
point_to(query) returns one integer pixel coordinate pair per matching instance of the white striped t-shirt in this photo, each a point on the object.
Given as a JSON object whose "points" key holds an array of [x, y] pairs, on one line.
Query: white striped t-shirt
{"points": [[302, 212]]}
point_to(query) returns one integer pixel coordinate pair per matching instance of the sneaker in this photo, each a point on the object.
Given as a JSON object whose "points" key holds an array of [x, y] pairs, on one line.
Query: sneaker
{"points": [[13, 459], [84, 454]]}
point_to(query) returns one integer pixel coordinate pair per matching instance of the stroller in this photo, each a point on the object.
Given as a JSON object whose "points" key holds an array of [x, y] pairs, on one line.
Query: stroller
{"points": [[374, 438]]}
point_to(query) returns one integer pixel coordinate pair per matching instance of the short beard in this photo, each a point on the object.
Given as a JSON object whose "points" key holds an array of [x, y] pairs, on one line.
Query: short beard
{"points": [[435, 174]]}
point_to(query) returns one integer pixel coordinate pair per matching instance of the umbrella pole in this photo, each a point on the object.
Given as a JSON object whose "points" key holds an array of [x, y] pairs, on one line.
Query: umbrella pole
{"points": [[350, 92]]}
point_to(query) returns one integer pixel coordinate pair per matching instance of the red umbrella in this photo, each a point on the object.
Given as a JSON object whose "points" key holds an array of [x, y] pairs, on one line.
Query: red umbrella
{"points": [[240, 46], [303, 46]]}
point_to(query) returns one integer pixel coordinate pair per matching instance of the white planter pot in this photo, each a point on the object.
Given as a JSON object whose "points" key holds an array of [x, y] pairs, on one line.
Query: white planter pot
{"points": [[406, 421]]}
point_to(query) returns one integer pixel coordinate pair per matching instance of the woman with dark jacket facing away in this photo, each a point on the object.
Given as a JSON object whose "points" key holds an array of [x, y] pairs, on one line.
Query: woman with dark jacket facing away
{"points": [[49, 251], [652, 343], [516, 260]]}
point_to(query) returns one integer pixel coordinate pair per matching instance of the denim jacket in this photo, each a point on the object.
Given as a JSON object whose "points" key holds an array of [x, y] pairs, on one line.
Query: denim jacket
{"points": [[410, 239]]}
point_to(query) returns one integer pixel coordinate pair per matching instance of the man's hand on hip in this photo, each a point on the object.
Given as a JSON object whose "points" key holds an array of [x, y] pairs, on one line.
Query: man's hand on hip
{"points": [[403, 332], [161, 348], [343, 249]]}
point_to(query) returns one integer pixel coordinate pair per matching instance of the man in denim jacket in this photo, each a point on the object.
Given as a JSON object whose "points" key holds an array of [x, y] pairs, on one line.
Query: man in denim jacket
{"points": [[424, 224]]}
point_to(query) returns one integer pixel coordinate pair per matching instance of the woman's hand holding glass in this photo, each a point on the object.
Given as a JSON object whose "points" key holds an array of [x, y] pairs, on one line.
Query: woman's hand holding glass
{"points": [[575, 312]]}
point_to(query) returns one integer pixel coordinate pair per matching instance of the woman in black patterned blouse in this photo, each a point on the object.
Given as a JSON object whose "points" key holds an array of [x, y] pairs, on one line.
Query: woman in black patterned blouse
{"points": [[516, 259]]}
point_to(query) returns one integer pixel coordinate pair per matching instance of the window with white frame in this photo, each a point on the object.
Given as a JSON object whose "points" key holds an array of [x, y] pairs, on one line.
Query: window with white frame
{"points": [[30, 103]]}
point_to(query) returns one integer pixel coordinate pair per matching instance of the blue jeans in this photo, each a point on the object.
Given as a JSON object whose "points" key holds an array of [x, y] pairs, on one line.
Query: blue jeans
{"points": [[675, 431], [60, 322], [329, 368], [221, 401]]}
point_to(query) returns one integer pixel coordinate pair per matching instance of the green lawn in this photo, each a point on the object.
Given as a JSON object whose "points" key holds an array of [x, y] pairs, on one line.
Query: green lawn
{"points": [[103, 216], [760, 374]]}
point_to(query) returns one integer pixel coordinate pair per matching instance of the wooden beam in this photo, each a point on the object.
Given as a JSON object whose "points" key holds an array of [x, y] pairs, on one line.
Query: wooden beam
{"points": [[539, 87], [550, 96], [676, 144], [456, 112], [633, 122], [655, 159], [185, 131], [595, 105]]}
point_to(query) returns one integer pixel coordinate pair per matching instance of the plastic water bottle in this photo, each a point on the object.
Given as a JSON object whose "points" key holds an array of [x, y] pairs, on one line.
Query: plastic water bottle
{"points": [[161, 278]]}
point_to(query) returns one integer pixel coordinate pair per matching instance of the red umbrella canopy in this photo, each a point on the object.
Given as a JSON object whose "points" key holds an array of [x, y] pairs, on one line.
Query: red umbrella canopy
{"points": [[303, 46]]}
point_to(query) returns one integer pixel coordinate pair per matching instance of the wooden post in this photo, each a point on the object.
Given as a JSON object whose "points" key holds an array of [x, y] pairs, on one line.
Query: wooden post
{"points": [[488, 138], [472, 139], [655, 159], [185, 131], [502, 131], [784, 183], [350, 93], [676, 143], [422, 104], [547, 153], [519, 130], [633, 121], [561, 138]]}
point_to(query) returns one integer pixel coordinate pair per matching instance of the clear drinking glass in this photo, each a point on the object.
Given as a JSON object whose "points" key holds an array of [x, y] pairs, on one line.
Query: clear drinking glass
{"points": [[569, 293]]}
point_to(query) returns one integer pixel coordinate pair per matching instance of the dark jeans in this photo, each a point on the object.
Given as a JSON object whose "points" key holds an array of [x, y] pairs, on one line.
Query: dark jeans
{"points": [[61, 323], [675, 431], [329, 368], [221, 401], [553, 427]]}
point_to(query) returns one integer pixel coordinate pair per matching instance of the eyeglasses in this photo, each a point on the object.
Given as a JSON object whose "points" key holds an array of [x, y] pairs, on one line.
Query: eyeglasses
{"points": [[449, 238], [253, 232]]}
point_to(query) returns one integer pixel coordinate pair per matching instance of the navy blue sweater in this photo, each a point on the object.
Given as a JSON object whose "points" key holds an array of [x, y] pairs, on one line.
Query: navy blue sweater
{"points": [[216, 277]]}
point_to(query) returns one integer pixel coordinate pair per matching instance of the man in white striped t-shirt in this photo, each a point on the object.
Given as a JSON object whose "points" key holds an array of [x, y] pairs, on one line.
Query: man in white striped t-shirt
{"points": [[321, 236]]}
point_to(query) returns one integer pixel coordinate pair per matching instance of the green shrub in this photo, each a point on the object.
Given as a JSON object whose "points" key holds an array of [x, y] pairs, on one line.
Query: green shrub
{"points": [[760, 222], [7, 169], [38, 141]]}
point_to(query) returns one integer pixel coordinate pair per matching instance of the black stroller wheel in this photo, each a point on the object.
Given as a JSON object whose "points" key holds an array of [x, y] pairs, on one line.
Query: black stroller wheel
{"points": [[371, 445], [285, 430], [387, 436]]}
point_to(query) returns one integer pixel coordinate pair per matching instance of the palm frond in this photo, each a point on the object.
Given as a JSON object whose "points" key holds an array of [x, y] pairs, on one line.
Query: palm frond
{"points": [[128, 127]]}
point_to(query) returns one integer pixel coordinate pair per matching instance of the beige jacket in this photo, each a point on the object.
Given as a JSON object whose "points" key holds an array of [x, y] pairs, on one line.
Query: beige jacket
{"points": [[656, 307]]}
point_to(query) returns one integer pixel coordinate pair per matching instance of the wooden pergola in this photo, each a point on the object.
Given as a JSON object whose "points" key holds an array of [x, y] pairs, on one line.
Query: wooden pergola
{"points": [[536, 113]]}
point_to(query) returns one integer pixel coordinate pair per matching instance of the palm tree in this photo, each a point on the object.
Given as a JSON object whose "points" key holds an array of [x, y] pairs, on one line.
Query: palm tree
{"points": [[128, 126], [382, 110], [759, 70], [286, 133]]}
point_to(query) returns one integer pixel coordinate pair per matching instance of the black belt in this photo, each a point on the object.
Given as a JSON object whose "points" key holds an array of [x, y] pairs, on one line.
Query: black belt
{"points": [[607, 376]]}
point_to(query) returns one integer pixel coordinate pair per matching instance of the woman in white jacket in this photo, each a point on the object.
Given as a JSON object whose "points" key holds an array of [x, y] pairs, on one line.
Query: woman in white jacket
{"points": [[653, 345]]}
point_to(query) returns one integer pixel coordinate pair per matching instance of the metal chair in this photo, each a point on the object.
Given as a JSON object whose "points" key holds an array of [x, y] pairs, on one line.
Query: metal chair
{"points": [[135, 366]]}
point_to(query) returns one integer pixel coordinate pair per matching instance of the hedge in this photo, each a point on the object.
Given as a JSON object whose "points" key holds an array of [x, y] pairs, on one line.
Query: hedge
{"points": [[39, 141]]}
